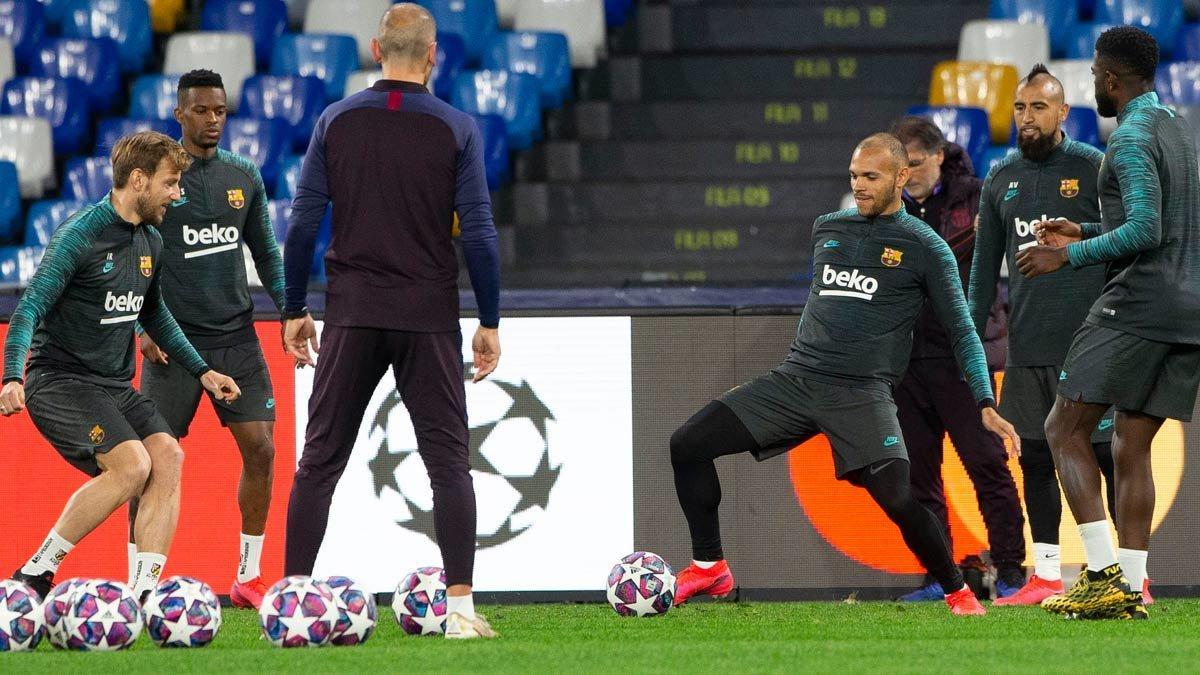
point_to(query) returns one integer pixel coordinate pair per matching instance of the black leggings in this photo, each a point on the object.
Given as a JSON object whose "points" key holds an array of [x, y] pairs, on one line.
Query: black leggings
{"points": [[1043, 501], [716, 431]]}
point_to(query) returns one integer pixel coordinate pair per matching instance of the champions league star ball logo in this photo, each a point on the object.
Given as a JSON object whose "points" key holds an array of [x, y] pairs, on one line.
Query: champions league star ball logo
{"points": [[509, 455]]}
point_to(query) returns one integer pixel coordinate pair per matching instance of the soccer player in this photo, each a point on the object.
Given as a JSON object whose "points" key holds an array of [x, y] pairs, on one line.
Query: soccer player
{"points": [[874, 267], [222, 204], [1139, 349], [398, 164], [100, 275], [1050, 177]]}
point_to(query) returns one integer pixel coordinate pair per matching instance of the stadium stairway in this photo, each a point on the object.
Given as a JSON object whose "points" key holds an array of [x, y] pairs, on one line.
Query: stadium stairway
{"points": [[704, 148]]}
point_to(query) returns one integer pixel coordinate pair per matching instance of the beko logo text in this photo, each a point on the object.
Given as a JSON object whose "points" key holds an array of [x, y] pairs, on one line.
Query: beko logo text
{"points": [[855, 283], [220, 238], [122, 303]]}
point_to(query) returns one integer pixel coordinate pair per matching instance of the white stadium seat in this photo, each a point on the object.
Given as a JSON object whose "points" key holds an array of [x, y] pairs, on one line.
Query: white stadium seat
{"points": [[357, 18], [361, 79], [229, 54], [27, 142], [582, 21], [7, 66], [506, 12], [1080, 89], [1019, 44]]}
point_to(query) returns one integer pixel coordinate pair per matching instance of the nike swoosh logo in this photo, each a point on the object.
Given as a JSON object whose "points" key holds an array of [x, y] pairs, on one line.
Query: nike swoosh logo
{"points": [[876, 468], [1105, 424]]}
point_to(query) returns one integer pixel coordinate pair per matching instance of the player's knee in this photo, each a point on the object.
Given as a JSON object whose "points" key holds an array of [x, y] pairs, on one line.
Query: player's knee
{"points": [[685, 443], [132, 474], [1056, 428], [260, 456]]}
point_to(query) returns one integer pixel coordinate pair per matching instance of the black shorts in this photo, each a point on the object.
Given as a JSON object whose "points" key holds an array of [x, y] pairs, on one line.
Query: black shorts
{"points": [[1131, 373], [82, 419], [177, 393], [1027, 397], [782, 410]]}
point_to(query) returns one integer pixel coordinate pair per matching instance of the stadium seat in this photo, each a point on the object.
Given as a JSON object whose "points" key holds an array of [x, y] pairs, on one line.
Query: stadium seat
{"points": [[23, 23], [279, 210], [989, 86], [28, 143], [87, 179], [295, 100], [289, 176], [329, 57], [506, 12], [967, 127], [546, 56], [1018, 44], [1056, 15], [44, 216], [474, 22], [616, 12], [582, 21], [513, 96], [1080, 88], [263, 142], [263, 20], [357, 18], [61, 102], [1179, 83], [10, 203], [1081, 40], [361, 79], [126, 22], [229, 54], [991, 157], [18, 263], [54, 11], [1160, 18], [109, 131], [165, 15], [495, 149], [1187, 46], [93, 62], [8, 63], [451, 60], [154, 97]]}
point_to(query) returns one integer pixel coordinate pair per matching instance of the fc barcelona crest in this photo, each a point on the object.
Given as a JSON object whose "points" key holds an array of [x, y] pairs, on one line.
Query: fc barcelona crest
{"points": [[236, 199], [891, 257], [146, 266], [1069, 187]]}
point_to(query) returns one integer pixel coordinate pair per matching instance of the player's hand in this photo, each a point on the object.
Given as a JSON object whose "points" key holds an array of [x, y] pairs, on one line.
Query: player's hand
{"points": [[151, 351], [1057, 232], [12, 399], [221, 386], [300, 340], [993, 422], [1038, 260], [486, 345]]}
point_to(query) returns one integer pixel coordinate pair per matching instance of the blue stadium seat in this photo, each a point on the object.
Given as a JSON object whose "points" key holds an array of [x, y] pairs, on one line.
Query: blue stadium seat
{"points": [[968, 127], [110, 130], [1160, 18], [93, 62], [1179, 83], [1083, 124], [55, 11], [513, 96], [298, 101], [1187, 46], [451, 60], [87, 179], [153, 97], [495, 149], [279, 210], [991, 157], [616, 12], [127, 22], [1081, 40], [289, 176], [263, 20], [10, 203], [45, 215], [474, 22], [329, 57], [263, 142], [543, 55], [18, 263], [61, 102], [1058, 16], [23, 22]]}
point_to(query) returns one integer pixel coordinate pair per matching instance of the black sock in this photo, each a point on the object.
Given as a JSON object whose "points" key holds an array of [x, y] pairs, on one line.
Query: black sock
{"points": [[1043, 501]]}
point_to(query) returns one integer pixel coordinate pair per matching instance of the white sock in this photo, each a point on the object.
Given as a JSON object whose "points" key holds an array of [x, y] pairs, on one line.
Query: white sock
{"points": [[149, 569], [1046, 562], [49, 555], [464, 605], [251, 553], [131, 550], [1133, 564], [705, 564], [1097, 545]]}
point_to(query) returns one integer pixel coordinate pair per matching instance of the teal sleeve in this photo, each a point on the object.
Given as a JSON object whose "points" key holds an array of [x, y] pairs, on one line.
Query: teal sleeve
{"points": [[67, 248], [260, 239], [990, 239], [1141, 193], [1091, 230], [944, 288], [163, 329]]}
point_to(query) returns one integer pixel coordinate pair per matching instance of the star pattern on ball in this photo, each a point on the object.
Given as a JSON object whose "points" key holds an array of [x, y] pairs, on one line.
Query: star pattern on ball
{"points": [[7, 615], [360, 623], [108, 614], [298, 623], [181, 630]]}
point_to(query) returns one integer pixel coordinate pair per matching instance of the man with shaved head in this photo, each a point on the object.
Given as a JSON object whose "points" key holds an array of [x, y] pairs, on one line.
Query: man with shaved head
{"points": [[1050, 177], [874, 268], [397, 165]]}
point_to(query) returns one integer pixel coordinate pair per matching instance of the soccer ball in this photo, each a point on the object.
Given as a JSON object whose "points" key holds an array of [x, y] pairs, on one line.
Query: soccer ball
{"points": [[420, 602], [182, 612], [356, 612], [298, 611], [55, 606], [21, 620], [101, 616], [641, 584]]}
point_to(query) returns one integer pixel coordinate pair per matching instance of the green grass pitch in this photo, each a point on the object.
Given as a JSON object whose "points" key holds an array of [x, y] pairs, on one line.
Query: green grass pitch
{"points": [[707, 637]]}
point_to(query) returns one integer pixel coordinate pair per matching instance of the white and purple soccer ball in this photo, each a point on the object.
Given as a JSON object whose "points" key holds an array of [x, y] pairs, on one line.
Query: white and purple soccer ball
{"points": [[55, 606], [298, 611], [22, 622], [182, 612], [641, 584], [356, 612], [101, 616], [420, 602]]}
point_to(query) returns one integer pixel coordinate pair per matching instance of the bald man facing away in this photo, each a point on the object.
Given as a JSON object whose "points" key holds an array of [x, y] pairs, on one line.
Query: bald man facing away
{"points": [[397, 164], [874, 267]]}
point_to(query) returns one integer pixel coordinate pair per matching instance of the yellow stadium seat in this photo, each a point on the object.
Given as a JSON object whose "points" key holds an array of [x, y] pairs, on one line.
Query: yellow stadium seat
{"points": [[165, 15], [990, 86]]}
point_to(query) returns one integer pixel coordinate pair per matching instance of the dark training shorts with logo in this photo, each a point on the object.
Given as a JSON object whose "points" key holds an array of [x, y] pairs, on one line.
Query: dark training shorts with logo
{"points": [[1028, 395], [1131, 373], [82, 419], [177, 394], [782, 410]]}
